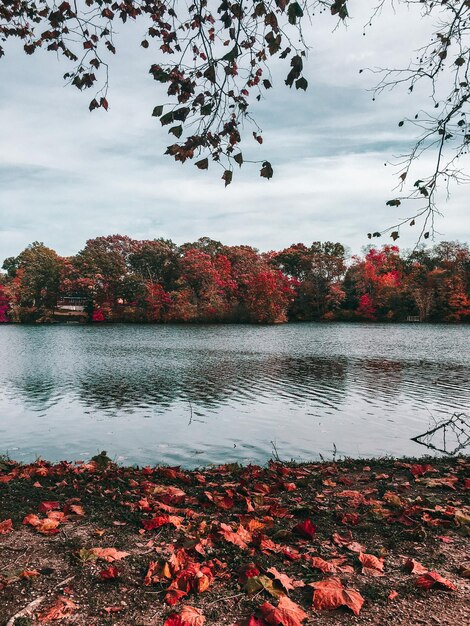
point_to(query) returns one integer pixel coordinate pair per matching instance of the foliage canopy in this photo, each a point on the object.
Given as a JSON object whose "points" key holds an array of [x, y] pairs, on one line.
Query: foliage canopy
{"points": [[215, 56]]}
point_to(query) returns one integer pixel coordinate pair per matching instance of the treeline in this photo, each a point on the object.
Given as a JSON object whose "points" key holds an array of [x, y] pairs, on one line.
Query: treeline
{"points": [[119, 279]]}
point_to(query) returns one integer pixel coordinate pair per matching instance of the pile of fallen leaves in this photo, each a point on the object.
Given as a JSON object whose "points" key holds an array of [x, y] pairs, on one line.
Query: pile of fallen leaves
{"points": [[92, 544]]}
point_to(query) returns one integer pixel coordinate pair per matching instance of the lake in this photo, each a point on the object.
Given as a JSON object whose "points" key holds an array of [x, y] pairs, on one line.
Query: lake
{"points": [[194, 395]]}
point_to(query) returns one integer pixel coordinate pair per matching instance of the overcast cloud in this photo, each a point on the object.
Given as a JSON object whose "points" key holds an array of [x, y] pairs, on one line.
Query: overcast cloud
{"points": [[67, 175]]}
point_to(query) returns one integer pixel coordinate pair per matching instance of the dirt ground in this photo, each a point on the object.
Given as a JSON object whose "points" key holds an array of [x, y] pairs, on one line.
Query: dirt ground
{"points": [[96, 544]]}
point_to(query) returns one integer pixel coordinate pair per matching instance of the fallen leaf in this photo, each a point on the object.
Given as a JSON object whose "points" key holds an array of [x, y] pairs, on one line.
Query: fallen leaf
{"points": [[286, 613], [109, 554], [188, 616], [305, 529], [429, 579], [415, 567], [6, 526], [330, 594], [62, 607], [371, 564], [109, 573], [286, 582]]}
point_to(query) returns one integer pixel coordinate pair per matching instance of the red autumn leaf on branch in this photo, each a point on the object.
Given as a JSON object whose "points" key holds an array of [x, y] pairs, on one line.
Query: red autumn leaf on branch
{"points": [[188, 616], [286, 613], [6, 527], [306, 529], [430, 579], [330, 594], [371, 564]]}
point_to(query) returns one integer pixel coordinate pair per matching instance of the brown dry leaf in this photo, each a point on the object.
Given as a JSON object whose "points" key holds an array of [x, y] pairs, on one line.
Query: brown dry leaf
{"points": [[109, 554], [287, 613], [330, 594]]}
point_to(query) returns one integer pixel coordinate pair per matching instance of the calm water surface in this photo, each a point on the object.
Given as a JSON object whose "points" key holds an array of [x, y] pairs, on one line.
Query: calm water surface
{"points": [[194, 395]]}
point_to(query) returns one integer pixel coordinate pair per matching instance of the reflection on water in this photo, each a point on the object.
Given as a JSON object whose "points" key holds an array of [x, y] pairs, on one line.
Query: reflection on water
{"points": [[68, 391]]}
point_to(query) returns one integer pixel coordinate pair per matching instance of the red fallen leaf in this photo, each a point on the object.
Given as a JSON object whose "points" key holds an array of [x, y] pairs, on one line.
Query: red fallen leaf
{"points": [[286, 582], [448, 481], [62, 607], [249, 571], [45, 526], [29, 573], [57, 515], [429, 579], [109, 573], [289, 486], [77, 509], [161, 520], [290, 553], [305, 529], [32, 519], [445, 539], [44, 507], [330, 594], [330, 567], [188, 616], [109, 554], [346, 541], [371, 564], [241, 537], [466, 483], [327, 567], [392, 595], [6, 527], [418, 470], [351, 519], [173, 595], [415, 567], [286, 613], [169, 494]]}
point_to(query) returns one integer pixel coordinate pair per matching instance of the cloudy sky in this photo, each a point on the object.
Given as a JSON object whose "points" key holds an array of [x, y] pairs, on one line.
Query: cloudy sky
{"points": [[67, 175]]}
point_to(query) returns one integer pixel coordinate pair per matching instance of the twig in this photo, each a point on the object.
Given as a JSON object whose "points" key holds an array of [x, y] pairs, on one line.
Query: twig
{"points": [[28, 610]]}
